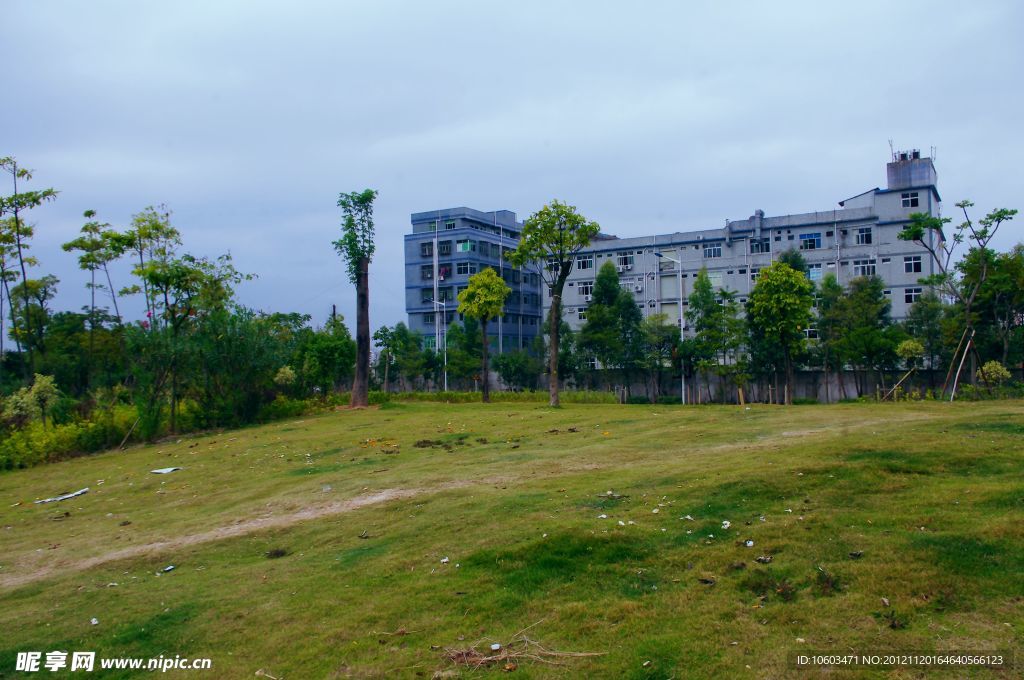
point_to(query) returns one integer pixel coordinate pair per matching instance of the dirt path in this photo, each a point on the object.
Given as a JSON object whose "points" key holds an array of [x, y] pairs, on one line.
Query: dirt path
{"points": [[10, 582]]}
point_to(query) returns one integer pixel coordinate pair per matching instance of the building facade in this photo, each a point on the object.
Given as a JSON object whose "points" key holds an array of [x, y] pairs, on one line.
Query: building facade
{"points": [[445, 248], [857, 238]]}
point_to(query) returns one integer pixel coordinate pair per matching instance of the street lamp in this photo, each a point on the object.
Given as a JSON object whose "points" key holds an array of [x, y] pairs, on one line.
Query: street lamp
{"points": [[682, 368], [438, 333]]}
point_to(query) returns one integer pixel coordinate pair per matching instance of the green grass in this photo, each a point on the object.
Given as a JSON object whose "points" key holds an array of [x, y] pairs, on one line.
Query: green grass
{"points": [[931, 496]]}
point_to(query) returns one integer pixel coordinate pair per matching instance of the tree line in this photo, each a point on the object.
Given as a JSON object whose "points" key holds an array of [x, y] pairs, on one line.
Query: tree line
{"points": [[83, 380]]}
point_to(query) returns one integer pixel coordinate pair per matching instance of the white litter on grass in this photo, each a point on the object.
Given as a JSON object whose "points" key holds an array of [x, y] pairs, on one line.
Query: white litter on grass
{"points": [[169, 567], [63, 497], [726, 524], [762, 518], [655, 511], [495, 647], [602, 516], [789, 509], [94, 621], [165, 471], [630, 522], [749, 543], [444, 560], [621, 523], [687, 517]]}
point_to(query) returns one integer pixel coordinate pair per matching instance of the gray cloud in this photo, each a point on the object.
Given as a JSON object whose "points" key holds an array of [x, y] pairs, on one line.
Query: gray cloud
{"points": [[248, 118]]}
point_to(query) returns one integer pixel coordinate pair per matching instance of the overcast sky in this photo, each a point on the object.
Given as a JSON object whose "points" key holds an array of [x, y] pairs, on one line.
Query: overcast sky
{"points": [[247, 118]]}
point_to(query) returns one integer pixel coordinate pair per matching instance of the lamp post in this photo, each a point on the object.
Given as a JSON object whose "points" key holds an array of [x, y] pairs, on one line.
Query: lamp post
{"points": [[682, 324], [442, 334]]}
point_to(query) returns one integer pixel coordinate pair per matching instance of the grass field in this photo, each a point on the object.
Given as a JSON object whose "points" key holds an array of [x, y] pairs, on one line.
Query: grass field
{"points": [[313, 548]]}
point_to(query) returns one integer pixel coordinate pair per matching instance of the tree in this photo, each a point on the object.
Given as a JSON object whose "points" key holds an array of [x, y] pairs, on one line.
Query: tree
{"points": [[830, 299], [14, 205], [356, 247], [552, 236], [601, 336], [780, 311], [519, 369], [660, 342], [999, 304], [794, 259], [384, 339], [867, 338], [150, 236], [928, 232], [925, 324], [483, 299]]}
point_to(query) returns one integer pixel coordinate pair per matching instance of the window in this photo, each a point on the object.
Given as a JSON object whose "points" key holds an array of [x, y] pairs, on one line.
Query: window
{"points": [[465, 246], [586, 288], [912, 264], [444, 248], [909, 199], [430, 341], [465, 268], [584, 261], [625, 259], [810, 241], [753, 273], [426, 295], [811, 333], [427, 249], [445, 295], [581, 313], [553, 264], [911, 295], [863, 267], [863, 236], [763, 245], [428, 319], [449, 224], [427, 272], [444, 271], [712, 250], [814, 272], [716, 279]]}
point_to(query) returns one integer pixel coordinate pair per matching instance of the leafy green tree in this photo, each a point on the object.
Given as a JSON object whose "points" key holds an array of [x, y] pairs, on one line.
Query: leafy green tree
{"points": [[32, 312], [601, 336], [794, 259], [384, 340], [151, 237], [925, 324], [779, 312], [719, 333], [14, 205], [911, 351], [356, 247], [483, 299], [929, 233], [660, 344], [329, 356], [518, 369], [868, 339], [552, 236], [830, 298], [999, 305], [465, 351]]}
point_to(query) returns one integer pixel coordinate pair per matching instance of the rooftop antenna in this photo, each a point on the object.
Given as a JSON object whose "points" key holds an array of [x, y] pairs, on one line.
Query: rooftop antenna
{"points": [[933, 152], [892, 149]]}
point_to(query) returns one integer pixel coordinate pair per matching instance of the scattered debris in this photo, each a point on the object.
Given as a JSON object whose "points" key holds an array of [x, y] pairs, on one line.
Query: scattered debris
{"points": [[801, 640], [112, 584], [169, 567], [574, 429], [125, 523], [726, 524], [611, 494], [621, 523], [749, 543], [518, 649], [885, 602], [602, 516], [763, 559], [856, 554], [263, 674], [63, 497], [60, 518], [707, 580], [427, 443], [364, 534], [276, 553], [687, 517], [762, 518], [655, 511], [166, 471], [646, 664], [94, 621], [444, 560]]}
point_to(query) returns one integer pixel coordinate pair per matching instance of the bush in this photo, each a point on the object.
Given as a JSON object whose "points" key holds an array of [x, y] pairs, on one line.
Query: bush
{"points": [[637, 399], [669, 400]]}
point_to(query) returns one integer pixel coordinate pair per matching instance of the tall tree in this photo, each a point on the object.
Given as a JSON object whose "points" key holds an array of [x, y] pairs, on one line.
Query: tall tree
{"points": [[14, 205], [356, 248], [552, 236], [779, 312], [928, 232], [483, 299]]}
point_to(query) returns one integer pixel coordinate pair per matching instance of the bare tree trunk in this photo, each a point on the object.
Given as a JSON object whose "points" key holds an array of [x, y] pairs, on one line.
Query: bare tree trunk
{"points": [[554, 323], [486, 383], [360, 386]]}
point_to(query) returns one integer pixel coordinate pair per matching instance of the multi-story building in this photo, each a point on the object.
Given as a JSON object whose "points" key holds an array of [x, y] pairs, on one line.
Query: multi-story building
{"points": [[445, 248], [859, 238]]}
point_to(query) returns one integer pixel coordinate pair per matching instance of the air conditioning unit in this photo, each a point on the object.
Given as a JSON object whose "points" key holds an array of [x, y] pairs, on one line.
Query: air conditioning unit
{"points": [[588, 298], [629, 266], [619, 268], [638, 288]]}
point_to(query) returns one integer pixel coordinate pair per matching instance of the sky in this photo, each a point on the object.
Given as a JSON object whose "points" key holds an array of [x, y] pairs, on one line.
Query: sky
{"points": [[247, 118]]}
